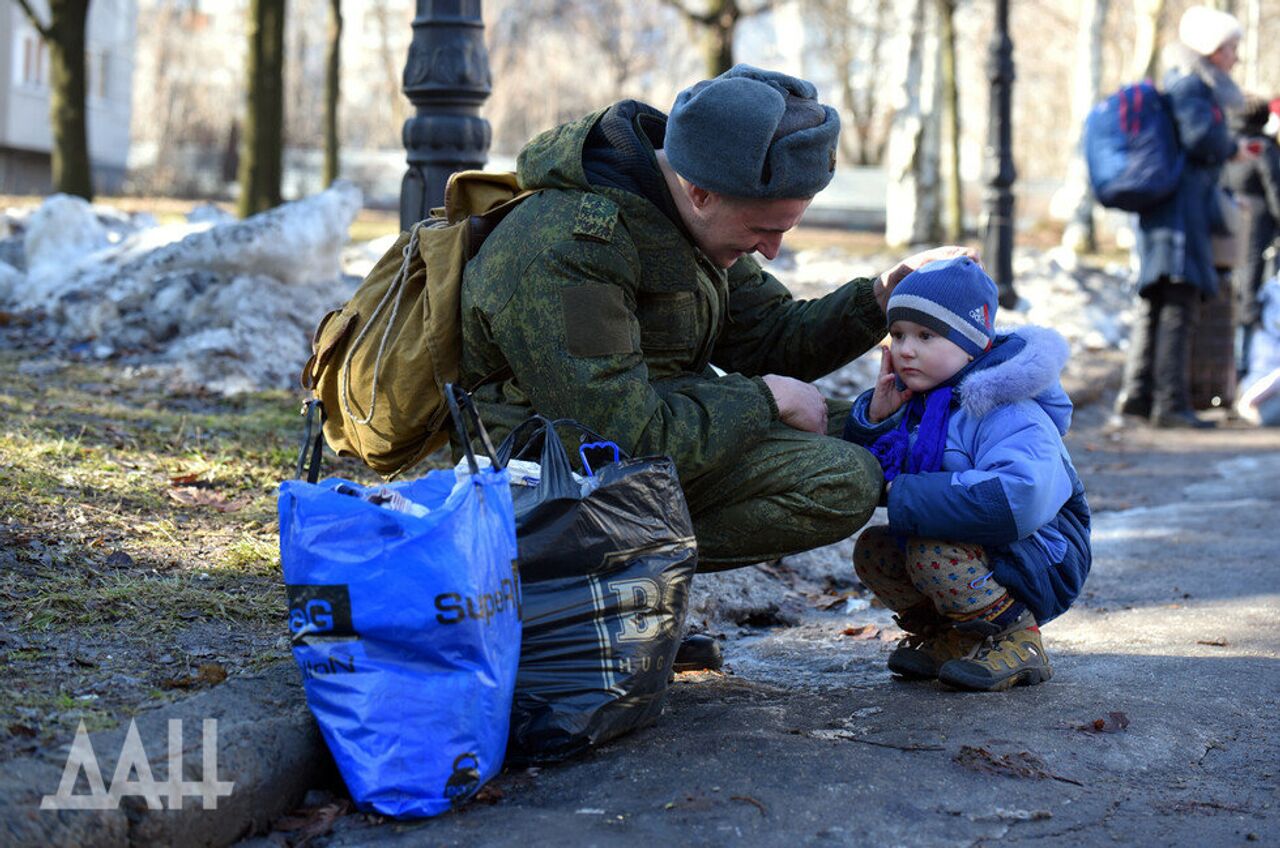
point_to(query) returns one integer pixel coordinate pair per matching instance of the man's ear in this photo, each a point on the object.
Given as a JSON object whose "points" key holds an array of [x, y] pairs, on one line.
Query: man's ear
{"points": [[699, 196]]}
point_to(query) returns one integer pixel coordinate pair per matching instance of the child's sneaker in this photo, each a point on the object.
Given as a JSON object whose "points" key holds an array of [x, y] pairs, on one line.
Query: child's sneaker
{"points": [[1012, 657], [919, 656]]}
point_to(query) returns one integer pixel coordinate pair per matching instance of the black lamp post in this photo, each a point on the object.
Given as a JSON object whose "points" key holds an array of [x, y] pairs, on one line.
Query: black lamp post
{"points": [[446, 78], [997, 247]]}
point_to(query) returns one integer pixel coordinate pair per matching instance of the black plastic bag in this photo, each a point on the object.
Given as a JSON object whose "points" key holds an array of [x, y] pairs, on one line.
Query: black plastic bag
{"points": [[606, 563]]}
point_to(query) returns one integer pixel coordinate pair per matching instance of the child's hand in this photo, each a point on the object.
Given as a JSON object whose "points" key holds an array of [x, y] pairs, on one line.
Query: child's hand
{"points": [[886, 399]]}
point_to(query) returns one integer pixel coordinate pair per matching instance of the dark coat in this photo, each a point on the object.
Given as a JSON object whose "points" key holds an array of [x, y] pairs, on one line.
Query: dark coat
{"points": [[1174, 237], [1257, 183], [596, 302]]}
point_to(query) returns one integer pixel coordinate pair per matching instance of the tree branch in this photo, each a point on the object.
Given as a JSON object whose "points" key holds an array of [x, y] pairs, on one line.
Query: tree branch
{"points": [[705, 20], [760, 8], [46, 32]]}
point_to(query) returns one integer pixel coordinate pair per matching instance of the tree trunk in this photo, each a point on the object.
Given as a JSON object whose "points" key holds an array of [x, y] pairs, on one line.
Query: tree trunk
{"points": [[718, 37], [717, 26], [64, 35], [911, 203], [1252, 23], [332, 83], [954, 227], [262, 163], [1147, 15], [1076, 197]]}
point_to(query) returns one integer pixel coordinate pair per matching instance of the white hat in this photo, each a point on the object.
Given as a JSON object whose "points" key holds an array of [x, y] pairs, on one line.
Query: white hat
{"points": [[1204, 30]]}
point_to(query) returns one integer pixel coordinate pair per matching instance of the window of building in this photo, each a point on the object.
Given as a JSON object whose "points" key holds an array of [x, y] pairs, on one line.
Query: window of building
{"points": [[97, 66], [35, 60]]}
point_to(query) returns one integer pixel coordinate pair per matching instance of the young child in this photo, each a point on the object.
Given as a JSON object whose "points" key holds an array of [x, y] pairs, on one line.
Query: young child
{"points": [[988, 533]]}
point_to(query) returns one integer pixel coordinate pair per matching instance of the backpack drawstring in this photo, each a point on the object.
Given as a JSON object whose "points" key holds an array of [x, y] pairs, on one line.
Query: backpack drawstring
{"points": [[397, 287]]}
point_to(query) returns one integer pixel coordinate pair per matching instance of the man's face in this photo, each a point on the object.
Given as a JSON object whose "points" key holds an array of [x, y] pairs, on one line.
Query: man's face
{"points": [[727, 228]]}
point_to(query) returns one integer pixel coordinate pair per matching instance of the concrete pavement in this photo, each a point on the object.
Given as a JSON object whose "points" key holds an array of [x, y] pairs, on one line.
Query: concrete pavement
{"points": [[807, 739]]}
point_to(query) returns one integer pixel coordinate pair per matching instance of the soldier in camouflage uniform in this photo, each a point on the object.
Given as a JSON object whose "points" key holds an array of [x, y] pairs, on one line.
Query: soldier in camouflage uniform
{"points": [[608, 297]]}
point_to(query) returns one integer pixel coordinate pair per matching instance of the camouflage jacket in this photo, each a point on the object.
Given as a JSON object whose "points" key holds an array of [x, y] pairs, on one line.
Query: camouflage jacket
{"points": [[591, 302]]}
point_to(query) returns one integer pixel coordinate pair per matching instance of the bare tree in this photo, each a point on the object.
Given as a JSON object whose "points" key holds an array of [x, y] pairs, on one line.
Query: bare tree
{"points": [[717, 22], [954, 228], [1076, 195], [627, 35], [64, 35], [262, 160], [1147, 16], [911, 204], [332, 90], [853, 41], [538, 49], [1252, 40]]}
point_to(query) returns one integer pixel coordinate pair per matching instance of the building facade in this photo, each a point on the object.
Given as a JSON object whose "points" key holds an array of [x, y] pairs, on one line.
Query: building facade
{"points": [[26, 136]]}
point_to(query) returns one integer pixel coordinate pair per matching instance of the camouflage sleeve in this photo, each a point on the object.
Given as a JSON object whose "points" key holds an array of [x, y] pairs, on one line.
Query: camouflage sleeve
{"points": [[570, 333], [770, 332]]}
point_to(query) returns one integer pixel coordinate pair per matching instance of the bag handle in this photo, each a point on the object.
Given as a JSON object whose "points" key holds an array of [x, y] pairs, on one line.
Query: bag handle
{"points": [[556, 479], [460, 401], [311, 470]]}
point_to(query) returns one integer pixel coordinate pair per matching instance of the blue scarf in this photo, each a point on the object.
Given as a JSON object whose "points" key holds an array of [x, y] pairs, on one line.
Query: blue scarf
{"points": [[894, 449]]}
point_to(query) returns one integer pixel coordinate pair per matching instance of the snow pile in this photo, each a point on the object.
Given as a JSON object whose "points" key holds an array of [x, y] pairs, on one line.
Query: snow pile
{"points": [[229, 305]]}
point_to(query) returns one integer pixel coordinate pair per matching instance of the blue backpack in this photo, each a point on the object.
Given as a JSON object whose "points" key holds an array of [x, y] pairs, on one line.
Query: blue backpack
{"points": [[1131, 148]]}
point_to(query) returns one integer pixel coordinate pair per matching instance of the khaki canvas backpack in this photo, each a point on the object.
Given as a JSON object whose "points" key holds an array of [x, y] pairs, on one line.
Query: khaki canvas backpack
{"points": [[380, 363]]}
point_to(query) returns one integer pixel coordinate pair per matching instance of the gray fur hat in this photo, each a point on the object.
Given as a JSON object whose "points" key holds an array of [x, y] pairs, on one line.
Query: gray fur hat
{"points": [[753, 133]]}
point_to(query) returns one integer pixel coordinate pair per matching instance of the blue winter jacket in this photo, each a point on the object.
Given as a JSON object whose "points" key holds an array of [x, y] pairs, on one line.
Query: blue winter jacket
{"points": [[1175, 237], [1007, 481]]}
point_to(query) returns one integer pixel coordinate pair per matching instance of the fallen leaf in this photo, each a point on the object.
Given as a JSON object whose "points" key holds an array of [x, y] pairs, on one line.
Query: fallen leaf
{"points": [[311, 822], [184, 479], [1021, 764], [193, 496], [488, 794], [861, 631], [1113, 723], [22, 730], [211, 673], [1216, 643], [207, 674]]}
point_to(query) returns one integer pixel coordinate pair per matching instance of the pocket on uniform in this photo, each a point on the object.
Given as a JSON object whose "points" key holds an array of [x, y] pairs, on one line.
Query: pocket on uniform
{"points": [[667, 320], [596, 321]]}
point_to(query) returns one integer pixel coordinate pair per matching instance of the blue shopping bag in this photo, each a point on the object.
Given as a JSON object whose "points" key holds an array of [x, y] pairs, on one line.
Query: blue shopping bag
{"points": [[404, 611]]}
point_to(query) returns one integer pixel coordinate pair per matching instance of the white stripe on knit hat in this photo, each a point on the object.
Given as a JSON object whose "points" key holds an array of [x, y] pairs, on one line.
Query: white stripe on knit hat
{"points": [[946, 316]]}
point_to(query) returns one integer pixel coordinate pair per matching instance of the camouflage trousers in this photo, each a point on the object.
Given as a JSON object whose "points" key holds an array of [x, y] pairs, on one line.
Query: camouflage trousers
{"points": [[790, 492]]}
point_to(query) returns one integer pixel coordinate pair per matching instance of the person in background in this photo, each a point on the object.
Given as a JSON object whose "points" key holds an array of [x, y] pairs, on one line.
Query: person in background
{"points": [[1176, 269], [1256, 184]]}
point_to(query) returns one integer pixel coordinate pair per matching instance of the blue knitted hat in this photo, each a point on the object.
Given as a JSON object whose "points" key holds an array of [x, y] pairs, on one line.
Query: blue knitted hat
{"points": [[953, 297], [753, 133]]}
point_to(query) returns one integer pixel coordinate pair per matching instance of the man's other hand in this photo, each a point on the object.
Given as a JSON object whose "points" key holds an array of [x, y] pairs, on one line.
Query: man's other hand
{"points": [[800, 404], [885, 282]]}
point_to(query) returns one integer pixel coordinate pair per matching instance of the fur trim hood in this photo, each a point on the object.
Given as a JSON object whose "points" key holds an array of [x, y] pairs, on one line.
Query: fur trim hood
{"points": [[1025, 363]]}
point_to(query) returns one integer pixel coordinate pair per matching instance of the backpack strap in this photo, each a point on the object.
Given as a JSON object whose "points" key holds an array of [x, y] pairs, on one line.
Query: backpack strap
{"points": [[397, 288]]}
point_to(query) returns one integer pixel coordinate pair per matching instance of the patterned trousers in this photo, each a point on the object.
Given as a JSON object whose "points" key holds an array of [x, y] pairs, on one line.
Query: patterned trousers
{"points": [[955, 577]]}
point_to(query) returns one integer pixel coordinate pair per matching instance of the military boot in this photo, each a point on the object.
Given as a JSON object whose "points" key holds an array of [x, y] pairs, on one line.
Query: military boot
{"points": [[1010, 657], [930, 642]]}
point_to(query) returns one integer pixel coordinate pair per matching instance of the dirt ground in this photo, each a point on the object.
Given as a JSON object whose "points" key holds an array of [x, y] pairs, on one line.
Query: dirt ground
{"points": [[138, 550]]}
